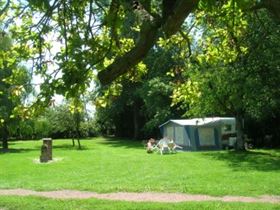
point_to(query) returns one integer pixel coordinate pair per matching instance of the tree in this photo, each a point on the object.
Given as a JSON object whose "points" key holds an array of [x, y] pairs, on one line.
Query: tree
{"points": [[14, 87], [173, 14], [77, 111], [135, 108], [113, 37], [239, 82], [91, 32], [67, 120]]}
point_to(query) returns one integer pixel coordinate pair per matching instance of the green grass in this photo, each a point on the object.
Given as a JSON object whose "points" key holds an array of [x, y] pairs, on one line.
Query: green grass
{"points": [[35, 203], [111, 165]]}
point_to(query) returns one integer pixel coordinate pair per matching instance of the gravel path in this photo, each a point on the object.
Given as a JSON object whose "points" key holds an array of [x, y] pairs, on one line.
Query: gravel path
{"points": [[138, 197]]}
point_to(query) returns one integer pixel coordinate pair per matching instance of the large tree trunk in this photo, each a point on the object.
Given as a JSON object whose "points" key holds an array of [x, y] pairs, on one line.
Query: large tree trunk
{"points": [[240, 144]]}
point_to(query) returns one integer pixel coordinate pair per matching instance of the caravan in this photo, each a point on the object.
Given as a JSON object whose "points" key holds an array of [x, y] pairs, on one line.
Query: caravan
{"points": [[201, 133]]}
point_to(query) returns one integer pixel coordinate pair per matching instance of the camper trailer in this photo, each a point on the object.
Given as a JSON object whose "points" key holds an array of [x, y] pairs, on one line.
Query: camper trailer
{"points": [[201, 133]]}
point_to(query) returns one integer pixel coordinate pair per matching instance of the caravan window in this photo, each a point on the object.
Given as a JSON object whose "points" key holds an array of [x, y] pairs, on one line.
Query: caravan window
{"points": [[227, 127], [169, 132], [179, 135], [206, 136]]}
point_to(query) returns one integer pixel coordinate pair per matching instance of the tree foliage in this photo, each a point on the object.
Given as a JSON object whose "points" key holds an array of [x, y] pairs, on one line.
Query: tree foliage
{"points": [[135, 109], [213, 51], [14, 88], [92, 32], [56, 122], [242, 81]]}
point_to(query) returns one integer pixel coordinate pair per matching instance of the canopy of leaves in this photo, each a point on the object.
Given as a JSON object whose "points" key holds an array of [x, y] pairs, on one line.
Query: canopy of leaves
{"points": [[243, 79], [213, 58], [110, 37]]}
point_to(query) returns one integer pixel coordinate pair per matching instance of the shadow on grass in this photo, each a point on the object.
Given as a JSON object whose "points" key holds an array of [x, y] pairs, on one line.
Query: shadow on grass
{"points": [[125, 143], [64, 146], [18, 150], [70, 147], [250, 160]]}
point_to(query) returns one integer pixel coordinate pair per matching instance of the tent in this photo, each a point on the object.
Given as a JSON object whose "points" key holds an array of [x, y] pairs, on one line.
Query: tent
{"points": [[200, 133]]}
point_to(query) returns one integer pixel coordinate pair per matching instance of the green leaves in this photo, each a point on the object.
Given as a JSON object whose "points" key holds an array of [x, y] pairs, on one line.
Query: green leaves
{"points": [[246, 4], [233, 68], [39, 4], [207, 4], [14, 85], [187, 93]]}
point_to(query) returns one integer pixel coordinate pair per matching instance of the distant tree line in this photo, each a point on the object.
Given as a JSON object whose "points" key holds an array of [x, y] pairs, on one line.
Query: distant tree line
{"points": [[56, 122]]}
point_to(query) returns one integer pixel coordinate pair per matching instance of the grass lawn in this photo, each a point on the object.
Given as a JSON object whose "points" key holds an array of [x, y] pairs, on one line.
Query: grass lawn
{"points": [[111, 165], [35, 203]]}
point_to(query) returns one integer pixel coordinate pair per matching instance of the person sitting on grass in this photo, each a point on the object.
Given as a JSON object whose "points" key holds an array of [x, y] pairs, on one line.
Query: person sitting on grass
{"points": [[150, 145]]}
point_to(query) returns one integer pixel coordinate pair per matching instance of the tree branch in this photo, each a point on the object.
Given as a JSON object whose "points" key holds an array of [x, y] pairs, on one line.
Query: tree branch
{"points": [[5, 7], [112, 18], [186, 37], [123, 64], [148, 36], [180, 12]]}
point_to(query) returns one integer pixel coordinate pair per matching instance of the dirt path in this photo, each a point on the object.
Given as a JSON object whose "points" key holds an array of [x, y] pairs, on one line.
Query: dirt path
{"points": [[138, 197]]}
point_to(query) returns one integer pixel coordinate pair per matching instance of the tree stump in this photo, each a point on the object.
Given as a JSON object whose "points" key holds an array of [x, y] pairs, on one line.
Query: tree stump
{"points": [[46, 150]]}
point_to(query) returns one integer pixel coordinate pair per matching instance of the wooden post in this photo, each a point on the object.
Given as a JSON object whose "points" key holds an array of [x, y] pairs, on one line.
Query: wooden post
{"points": [[46, 150]]}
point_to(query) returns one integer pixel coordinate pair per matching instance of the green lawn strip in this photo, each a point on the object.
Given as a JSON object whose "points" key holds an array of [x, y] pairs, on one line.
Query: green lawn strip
{"points": [[30, 203], [112, 165]]}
